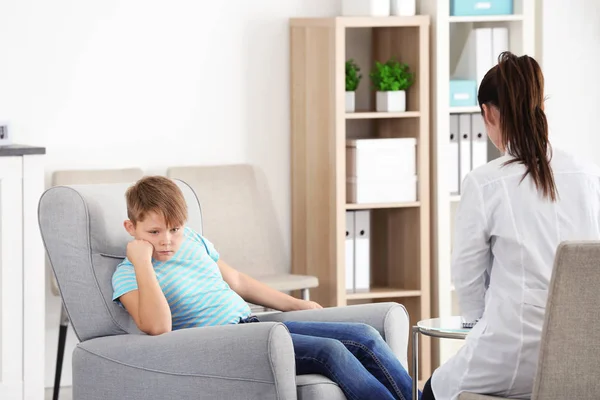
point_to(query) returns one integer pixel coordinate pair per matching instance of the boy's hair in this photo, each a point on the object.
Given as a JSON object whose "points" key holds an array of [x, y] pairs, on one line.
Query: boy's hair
{"points": [[156, 194]]}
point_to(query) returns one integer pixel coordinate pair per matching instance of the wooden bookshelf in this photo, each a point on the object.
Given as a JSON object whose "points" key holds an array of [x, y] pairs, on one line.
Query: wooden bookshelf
{"points": [[400, 232]]}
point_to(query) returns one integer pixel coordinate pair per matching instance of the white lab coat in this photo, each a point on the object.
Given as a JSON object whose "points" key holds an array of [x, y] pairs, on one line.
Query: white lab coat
{"points": [[507, 235]]}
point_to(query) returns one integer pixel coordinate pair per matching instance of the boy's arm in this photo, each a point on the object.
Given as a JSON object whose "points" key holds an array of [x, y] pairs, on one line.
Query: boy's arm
{"points": [[258, 293], [147, 305]]}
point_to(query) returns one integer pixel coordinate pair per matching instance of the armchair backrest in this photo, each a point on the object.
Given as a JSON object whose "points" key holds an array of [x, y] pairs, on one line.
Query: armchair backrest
{"points": [[91, 176], [82, 230], [569, 352]]}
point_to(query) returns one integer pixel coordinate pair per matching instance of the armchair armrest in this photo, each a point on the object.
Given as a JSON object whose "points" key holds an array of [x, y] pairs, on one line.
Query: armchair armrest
{"points": [[250, 361], [390, 319]]}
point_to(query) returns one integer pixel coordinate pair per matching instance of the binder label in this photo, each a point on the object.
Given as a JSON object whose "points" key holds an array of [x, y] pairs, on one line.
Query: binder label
{"points": [[483, 5]]}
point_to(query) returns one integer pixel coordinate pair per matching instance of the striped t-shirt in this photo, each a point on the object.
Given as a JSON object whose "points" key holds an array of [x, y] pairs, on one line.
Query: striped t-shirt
{"points": [[192, 284]]}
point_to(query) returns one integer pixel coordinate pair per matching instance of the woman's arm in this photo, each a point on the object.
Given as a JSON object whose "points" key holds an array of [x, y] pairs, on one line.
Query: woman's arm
{"points": [[258, 293], [471, 255]]}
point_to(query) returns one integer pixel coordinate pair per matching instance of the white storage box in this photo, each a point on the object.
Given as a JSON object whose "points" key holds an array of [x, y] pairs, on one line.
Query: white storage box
{"points": [[366, 8], [365, 190], [381, 158]]}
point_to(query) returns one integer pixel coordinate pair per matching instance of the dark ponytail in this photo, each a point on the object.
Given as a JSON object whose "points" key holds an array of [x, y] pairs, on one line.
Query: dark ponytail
{"points": [[516, 87]]}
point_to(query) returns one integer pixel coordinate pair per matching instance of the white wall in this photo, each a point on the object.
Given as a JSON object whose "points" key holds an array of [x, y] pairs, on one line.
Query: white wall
{"points": [[571, 55], [151, 83]]}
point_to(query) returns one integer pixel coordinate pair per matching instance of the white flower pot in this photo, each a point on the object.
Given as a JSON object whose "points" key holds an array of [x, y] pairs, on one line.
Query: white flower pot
{"points": [[366, 8], [350, 102], [404, 8], [391, 101]]}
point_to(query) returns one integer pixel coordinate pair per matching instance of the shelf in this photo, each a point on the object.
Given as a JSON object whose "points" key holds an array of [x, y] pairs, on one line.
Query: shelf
{"points": [[368, 206], [382, 293], [378, 115], [455, 198], [464, 110], [363, 22], [383, 22], [486, 18]]}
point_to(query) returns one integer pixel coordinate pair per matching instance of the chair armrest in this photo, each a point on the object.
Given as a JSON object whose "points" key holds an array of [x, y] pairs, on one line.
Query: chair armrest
{"points": [[390, 319], [289, 282], [250, 361]]}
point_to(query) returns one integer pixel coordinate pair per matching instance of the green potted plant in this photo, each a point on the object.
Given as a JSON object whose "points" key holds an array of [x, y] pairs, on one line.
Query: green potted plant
{"points": [[353, 77], [391, 81]]}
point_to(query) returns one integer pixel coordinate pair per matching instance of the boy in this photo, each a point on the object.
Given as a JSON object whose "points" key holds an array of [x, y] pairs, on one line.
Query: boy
{"points": [[173, 278]]}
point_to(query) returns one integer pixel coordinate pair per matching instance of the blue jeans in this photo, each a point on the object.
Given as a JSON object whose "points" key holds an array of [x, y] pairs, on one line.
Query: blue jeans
{"points": [[353, 355]]}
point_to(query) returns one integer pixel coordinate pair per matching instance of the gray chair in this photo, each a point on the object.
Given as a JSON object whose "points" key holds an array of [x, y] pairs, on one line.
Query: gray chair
{"points": [[82, 231], [239, 195], [73, 177], [569, 358]]}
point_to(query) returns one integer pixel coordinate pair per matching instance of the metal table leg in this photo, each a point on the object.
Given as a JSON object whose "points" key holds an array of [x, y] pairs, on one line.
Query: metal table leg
{"points": [[305, 294], [415, 363]]}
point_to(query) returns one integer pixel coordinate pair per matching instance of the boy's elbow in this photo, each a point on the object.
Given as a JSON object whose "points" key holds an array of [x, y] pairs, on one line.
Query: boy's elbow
{"points": [[156, 329]]}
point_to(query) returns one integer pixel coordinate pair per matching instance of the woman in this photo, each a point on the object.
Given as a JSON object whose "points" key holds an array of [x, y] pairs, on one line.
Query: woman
{"points": [[513, 213]]}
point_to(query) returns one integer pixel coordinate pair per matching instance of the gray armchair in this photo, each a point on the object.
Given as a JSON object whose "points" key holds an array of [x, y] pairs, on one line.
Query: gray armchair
{"points": [[82, 230]]}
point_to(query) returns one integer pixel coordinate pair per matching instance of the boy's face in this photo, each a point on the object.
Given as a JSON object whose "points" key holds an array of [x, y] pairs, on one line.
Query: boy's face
{"points": [[154, 230]]}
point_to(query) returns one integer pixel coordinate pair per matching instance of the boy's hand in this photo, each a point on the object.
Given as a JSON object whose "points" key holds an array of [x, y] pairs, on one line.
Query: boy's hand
{"points": [[139, 252], [307, 305]]}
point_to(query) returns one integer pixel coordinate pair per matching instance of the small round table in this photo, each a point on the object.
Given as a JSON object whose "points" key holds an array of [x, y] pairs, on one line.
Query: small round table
{"points": [[444, 328]]}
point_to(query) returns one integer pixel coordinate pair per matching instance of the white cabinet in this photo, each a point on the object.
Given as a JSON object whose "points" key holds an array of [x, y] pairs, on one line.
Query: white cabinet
{"points": [[21, 274]]}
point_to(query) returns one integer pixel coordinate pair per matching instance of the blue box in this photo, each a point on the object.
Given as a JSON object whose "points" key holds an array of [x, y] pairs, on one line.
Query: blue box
{"points": [[463, 93], [481, 7]]}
